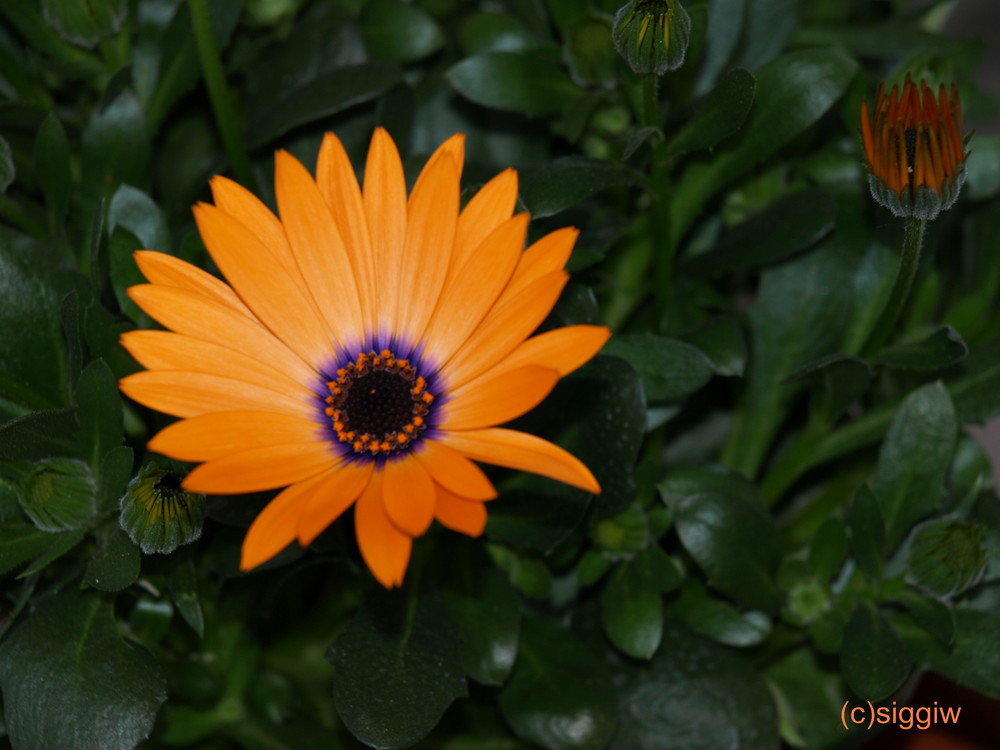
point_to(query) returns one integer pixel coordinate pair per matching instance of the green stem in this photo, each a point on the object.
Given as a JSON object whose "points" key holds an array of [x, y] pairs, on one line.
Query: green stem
{"points": [[215, 79], [913, 240], [792, 462], [659, 214]]}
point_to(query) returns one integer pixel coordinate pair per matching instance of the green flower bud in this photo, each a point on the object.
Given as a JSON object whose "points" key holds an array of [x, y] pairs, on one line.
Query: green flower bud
{"points": [[158, 514], [947, 556], [59, 494], [652, 35]]}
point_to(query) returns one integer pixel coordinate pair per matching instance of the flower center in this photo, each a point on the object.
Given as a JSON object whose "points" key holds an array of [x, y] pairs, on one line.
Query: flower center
{"points": [[378, 404]]}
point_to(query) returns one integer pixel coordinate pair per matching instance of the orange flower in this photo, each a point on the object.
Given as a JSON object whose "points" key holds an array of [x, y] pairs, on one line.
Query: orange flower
{"points": [[915, 149], [364, 350]]}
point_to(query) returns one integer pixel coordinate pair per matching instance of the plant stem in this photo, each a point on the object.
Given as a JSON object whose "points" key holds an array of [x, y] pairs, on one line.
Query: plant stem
{"points": [[659, 213], [215, 79], [909, 260]]}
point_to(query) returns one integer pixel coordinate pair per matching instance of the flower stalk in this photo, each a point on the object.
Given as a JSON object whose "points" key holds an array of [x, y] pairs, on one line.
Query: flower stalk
{"points": [[913, 240]]}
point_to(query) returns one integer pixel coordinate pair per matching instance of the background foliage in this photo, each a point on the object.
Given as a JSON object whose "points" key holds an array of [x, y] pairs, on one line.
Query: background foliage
{"points": [[785, 524]]}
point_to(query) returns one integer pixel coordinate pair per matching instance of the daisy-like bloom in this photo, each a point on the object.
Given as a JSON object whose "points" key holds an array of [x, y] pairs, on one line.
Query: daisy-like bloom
{"points": [[365, 349], [915, 149]]}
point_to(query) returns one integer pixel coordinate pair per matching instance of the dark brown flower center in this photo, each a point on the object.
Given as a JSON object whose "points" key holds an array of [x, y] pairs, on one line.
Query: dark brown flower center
{"points": [[378, 404]]}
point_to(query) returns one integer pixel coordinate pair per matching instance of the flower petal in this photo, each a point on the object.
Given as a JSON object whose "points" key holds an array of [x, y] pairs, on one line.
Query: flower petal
{"points": [[165, 350], [319, 249], [261, 468], [493, 399], [276, 526], [166, 270], [507, 325], [563, 349], [492, 205], [194, 315], [189, 394], [339, 187], [548, 254], [459, 514], [409, 495], [468, 297], [519, 450], [432, 214], [332, 495], [453, 471], [211, 436], [384, 196], [273, 296], [385, 549]]}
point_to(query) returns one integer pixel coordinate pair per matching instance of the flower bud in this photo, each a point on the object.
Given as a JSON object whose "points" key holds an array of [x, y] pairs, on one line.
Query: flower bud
{"points": [[915, 149], [157, 514], [59, 494], [947, 556], [652, 35]]}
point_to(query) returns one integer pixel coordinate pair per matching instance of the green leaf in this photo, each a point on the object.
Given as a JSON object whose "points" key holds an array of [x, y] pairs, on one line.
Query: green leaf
{"points": [[7, 169], [560, 694], [589, 50], [941, 349], [99, 411], [670, 369], [810, 697], [525, 82], [396, 32], [933, 615], [717, 619], [725, 23], [695, 695], [973, 660], [839, 380], [116, 470], [722, 341], [69, 680], [631, 605], [132, 209], [59, 495], [566, 181], [38, 434], [320, 98], [487, 616], [85, 23], [115, 564], [735, 542], [867, 532], [183, 585], [718, 115], [983, 172], [769, 27], [793, 92], [20, 542], [125, 273], [914, 460], [681, 483], [398, 668], [490, 31], [59, 544], [805, 218], [828, 549], [873, 659], [115, 146], [52, 167]]}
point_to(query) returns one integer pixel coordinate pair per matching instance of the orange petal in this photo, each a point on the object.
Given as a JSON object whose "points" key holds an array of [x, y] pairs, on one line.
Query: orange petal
{"points": [[194, 315], [319, 249], [563, 350], [432, 214], [519, 450], [548, 254], [164, 350], [339, 187], [409, 495], [492, 205], [385, 549], [454, 147], [274, 296], [453, 471], [506, 326], [261, 468], [334, 493], [468, 297], [384, 196], [493, 399], [458, 514], [251, 212], [211, 436], [167, 270], [275, 527], [189, 394]]}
